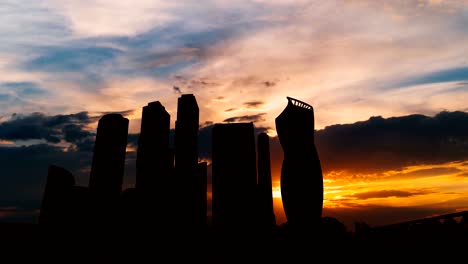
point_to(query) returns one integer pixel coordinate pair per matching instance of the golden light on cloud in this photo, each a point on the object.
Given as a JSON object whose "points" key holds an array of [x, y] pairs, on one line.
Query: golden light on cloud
{"points": [[442, 186], [413, 186], [6, 142]]}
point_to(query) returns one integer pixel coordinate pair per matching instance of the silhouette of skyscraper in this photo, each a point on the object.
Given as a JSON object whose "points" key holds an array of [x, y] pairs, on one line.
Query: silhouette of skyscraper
{"points": [[55, 208], [154, 168], [108, 164], [265, 194], [186, 158], [301, 173], [201, 195], [234, 176], [153, 156], [109, 155]]}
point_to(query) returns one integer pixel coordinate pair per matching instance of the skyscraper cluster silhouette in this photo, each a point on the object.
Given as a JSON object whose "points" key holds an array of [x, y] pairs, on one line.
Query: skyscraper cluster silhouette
{"points": [[170, 193], [171, 184]]}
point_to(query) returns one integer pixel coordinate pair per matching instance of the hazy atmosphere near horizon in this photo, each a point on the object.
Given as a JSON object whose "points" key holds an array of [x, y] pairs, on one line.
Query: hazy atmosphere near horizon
{"points": [[388, 81]]}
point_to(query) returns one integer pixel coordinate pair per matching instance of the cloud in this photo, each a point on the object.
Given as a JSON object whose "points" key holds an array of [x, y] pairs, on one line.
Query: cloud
{"points": [[430, 172], [253, 104], [26, 89], [380, 144], [447, 75], [246, 118], [53, 129], [386, 194], [99, 18], [230, 109], [72, 59], [123, 113], [176, 90], [269, 83]]}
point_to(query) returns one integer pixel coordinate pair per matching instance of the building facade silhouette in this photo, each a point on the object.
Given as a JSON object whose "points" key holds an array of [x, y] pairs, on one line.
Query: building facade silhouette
{"points": [[234, 176], [266, 212], [186, 159], [301, 173], [153, 155], [55, 207], [108, 163], [153, 164]]}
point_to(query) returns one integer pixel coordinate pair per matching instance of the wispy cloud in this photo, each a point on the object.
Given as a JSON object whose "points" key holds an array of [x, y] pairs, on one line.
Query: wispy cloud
{"points": [[245, 118]]}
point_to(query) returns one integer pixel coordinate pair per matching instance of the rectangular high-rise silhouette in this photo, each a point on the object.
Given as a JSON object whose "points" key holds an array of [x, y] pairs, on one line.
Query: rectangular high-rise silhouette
{"points": [[154, 163], [153, 156], [108, 164], [55, 208], [186, 159], [234, 175]]}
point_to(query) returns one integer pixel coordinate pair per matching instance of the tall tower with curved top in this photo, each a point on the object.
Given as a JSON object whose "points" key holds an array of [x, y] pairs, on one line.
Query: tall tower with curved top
{"points": [[301, 173]]}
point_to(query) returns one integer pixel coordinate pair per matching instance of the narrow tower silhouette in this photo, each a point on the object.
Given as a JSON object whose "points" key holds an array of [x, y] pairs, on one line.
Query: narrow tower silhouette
{"points": [[301, 173], [153, 156], [108, 164], [234, 176], [186, 159], [265, 194], [153, 179]]}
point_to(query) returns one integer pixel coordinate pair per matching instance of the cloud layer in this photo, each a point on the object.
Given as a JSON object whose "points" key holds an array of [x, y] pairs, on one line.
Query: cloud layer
{"points": [[350, 59]]}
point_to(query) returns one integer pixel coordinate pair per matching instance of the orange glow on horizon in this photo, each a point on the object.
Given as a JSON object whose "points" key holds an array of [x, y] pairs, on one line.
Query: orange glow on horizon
{"points": [[442, 186]]}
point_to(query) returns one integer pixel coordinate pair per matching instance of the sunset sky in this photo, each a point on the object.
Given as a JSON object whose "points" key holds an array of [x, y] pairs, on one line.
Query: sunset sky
{"points": [[388, 81]]}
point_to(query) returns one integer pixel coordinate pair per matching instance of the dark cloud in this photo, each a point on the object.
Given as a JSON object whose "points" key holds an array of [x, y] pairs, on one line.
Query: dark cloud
{"points": [[176, 90], [167, 58], [380, 144], [386, 194], [132, 140], [206, 123], [123, 113], [269, 83], [52, 129], [230, 109], [70, 128], [203, 82], [463, 174], [253, 104], [246, 118]]}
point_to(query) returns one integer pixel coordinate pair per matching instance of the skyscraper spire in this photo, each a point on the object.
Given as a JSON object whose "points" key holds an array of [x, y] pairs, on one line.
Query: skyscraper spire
{"points": [[301, 173]]}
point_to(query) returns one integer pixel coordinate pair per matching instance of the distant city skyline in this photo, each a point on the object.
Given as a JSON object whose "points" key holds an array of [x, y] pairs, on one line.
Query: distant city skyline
{"points": [[365, 66]]}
